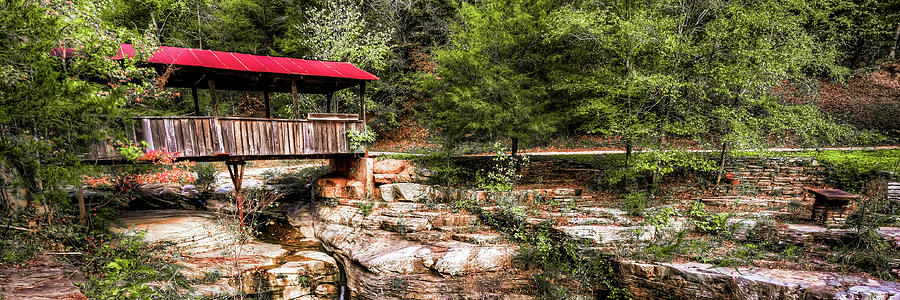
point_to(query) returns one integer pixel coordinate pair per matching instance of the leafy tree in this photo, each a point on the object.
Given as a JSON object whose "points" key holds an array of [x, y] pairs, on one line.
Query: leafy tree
{"points": [[50, 108], [696, 69], [491, 80]]}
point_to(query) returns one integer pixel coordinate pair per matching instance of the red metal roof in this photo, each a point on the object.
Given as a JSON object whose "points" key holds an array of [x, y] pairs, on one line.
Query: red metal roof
{"points": [[250, 63]]}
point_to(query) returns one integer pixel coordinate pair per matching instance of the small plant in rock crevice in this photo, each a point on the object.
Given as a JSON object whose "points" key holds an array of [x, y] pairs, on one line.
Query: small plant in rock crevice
{"points": [[365, 208]]}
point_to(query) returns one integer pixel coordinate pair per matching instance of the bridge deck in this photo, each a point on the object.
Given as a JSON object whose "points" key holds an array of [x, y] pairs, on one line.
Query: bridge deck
{"points": [[208, 139]]}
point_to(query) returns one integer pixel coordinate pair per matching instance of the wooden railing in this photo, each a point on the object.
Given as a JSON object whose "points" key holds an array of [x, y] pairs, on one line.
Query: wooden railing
{"points": [[203, 137]]}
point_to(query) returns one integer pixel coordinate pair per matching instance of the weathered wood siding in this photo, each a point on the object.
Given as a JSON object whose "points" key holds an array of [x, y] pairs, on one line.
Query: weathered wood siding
{"points": [[204, 136]]}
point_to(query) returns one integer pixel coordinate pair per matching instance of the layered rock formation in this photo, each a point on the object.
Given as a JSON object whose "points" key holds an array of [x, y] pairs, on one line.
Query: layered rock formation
{"points": [[41, 278], [403, 249], [212, 253]]}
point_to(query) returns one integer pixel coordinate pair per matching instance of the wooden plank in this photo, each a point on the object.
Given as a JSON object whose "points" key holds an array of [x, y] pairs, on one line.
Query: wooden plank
{"points": [[195, 147], [207, 138], [201, 140], [244, 138], [217, 130], [254, 137], [245, 147], [236, 135], [307, 137], [343, 147], [148, 132], [159, 134], [171, 143], [226, 134], [286, 140], [261, 137], [298, 146], [276, 136], [289, 133], [267, 126], [179, 137], [188, 135], [260, 131], [248, 135]]}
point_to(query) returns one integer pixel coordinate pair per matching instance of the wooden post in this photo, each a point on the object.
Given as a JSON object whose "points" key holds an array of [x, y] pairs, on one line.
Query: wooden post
{"points": [[212, 96], [196, 101], [294, 98], [330, 105], [268, 105], [236, 171], [362, 102]]}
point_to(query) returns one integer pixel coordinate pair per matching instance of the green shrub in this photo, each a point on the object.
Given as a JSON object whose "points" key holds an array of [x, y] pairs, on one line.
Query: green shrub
{"points": [[707, 222], [866, 248], [205, 176], [365, 208], [359, 139], [634, 204]]}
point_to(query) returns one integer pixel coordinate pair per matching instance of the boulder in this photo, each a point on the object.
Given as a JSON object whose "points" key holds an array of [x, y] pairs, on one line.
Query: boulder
{"points": [[339, 187], [411, 191], [390, 166], [392, 178]]}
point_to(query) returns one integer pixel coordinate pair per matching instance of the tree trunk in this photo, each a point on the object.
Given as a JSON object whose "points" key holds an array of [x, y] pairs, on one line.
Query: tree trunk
{"points": [[82, 211], [894, 47], [628, 150], [515, 153], [721, 163]]}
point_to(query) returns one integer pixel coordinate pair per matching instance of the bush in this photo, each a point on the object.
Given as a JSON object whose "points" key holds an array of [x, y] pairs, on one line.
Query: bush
{"points": [[634, 204], [866, 248], [205, 176], [707, 222]]}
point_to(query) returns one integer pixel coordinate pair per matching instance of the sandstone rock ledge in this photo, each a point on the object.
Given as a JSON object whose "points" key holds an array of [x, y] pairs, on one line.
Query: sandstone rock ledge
{"points": [[396, 252], [703, 281], [209, 248]]}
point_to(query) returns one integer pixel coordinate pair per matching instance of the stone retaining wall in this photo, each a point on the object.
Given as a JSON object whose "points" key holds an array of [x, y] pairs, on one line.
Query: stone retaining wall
{"points": [[779, 177]]}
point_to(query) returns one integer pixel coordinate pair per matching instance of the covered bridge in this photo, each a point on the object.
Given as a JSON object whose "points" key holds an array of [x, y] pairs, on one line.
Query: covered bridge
{"points": [[229, 138]]}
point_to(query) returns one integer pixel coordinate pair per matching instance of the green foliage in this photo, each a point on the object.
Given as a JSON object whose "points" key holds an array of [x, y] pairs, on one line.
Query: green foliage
{"points": [[634, 204], [359, 140], [205, 176], [492, 79], [568, 267], [126, 270], [132, 152], [365, 207], [867, 249], [48, 111], [503, 176], [338, 32], [707, 222]]}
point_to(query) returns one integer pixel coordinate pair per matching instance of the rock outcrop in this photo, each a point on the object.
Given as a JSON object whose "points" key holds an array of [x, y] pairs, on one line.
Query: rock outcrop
{"points": [[41, 278], [209, 246], [704, 281], [401, 249]]}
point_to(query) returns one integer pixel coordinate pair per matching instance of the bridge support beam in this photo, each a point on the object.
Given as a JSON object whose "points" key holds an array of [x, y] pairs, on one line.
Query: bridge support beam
{"points": [[236, 171]]}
